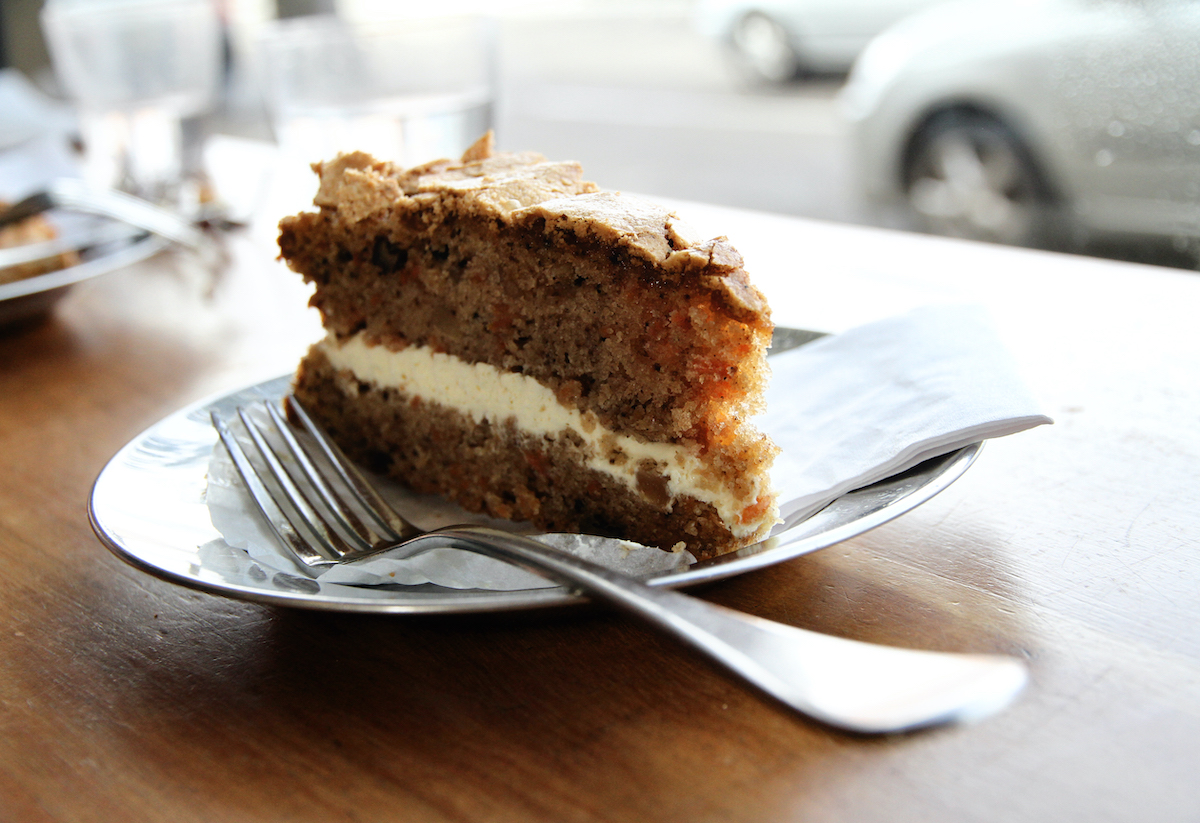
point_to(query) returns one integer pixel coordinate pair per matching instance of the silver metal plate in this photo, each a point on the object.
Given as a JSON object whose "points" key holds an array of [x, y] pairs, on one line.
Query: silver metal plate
{"points": [[148, 507]]}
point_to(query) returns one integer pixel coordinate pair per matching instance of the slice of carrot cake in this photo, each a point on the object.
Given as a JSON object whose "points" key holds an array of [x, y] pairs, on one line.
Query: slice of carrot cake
{"points": [[502, 332]]}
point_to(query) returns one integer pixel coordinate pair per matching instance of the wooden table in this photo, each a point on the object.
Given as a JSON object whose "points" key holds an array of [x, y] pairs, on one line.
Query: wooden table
{"points": [[1076, 546]]}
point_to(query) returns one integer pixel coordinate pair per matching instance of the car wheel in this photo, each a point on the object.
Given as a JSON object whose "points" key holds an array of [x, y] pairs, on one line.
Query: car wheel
{"points": [[967, 175], [764, 49]]}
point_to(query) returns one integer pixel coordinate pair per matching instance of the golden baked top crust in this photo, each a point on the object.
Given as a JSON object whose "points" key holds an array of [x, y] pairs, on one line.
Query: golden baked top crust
{"points": [[524, 189]]}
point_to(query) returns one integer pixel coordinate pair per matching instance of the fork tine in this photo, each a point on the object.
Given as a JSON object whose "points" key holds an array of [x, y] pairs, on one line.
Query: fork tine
{"points": [[328, 537], [390, 523], [275, 516], [362, 535]]}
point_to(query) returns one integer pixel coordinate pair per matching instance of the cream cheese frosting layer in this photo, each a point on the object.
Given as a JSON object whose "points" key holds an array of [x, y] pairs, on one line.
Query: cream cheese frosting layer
{"points": [[484, 392]]}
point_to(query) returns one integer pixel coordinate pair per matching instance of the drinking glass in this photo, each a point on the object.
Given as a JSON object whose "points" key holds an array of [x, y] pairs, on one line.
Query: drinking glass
{"points": [[135, 70], [408, 90]]}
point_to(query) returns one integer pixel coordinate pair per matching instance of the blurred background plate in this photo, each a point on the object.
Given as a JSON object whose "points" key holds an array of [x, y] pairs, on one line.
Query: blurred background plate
{"points": [[27, 299]]}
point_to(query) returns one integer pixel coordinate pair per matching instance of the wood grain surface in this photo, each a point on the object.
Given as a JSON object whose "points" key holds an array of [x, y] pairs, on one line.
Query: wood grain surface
{"points": [[123, 697]]}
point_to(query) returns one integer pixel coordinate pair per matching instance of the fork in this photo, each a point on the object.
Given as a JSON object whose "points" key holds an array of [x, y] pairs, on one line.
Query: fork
{"points": [[848, 684]]}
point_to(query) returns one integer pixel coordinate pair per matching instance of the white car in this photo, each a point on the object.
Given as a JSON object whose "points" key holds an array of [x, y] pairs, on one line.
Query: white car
{"points": [[1032, 121], [779, 40]]}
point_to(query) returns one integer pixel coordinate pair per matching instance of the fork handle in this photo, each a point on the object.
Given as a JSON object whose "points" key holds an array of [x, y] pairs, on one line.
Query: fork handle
{"points": [[849, 684]]}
